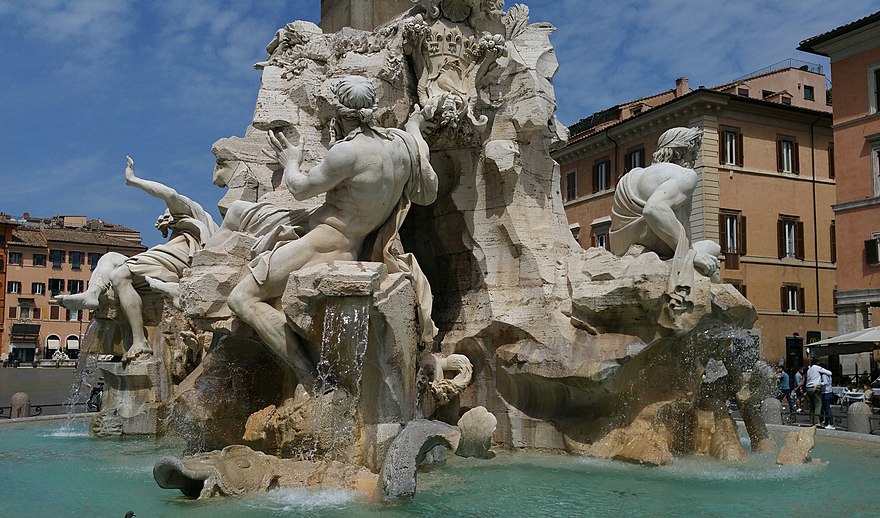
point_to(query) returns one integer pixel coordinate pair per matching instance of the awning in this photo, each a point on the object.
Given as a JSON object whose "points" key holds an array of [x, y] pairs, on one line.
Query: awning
{"points": [[25, 331], [53, 343], [865, 340], [72, 342], [23, 345]]}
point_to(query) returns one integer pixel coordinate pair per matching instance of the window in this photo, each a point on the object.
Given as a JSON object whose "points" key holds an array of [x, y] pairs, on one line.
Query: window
{"points": [[14, 257], [832, 239], [76, 260], [13, 287], [809, 93], [875, 169], [600, 234], [786, 99], [738, 284], [575, 231], [792, 299], [790, 235], [93, 260], [787, 160], [75, 286], [635, 158], [57, 258], [73, 315], [831, 160], [38, 288], [24, 313], [766, 93], [570, 185], [732, 229], [742, 92], [12, 311], [873, 88], [602, 175], [872, 251], [53, 312], [39, 260], [56, 286], [731, 147]]}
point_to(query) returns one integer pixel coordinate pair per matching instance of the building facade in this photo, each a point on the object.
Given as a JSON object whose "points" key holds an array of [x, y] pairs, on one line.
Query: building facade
{"points": [[765, 190], [44, 258], [854, 50]]}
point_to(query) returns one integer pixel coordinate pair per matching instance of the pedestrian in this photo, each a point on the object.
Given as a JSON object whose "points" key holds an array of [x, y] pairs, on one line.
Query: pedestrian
{"points": [[827, 394], [814, 388], [784, 386], [799, 392]]}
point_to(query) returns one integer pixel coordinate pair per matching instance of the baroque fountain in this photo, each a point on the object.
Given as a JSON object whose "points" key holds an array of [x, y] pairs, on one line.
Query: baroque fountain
{"points": [[375, 296]]}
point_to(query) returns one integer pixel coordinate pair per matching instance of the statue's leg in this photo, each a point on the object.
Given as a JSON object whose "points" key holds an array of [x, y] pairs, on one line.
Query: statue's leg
{"points": [[247, 302], [131, 305], [98, 282], [170, 290]]}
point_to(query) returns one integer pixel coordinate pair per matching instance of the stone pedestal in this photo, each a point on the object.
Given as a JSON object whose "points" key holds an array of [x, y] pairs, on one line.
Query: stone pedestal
{"points": [[859, 418], [20, 404], [133, 401]]}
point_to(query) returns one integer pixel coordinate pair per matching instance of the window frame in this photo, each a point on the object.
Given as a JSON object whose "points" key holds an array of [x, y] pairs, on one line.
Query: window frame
{"points": [[77, 259], [812, 93], [732, 230], [41, 262], [790, 248], [60, 254], [631, 153], [602, 175], [13, 287], [793, 154], [875, 169], [793, 299], [731, 137], [12, 256], [570, 191], [600, 235], [873, 88], [38, 288]]}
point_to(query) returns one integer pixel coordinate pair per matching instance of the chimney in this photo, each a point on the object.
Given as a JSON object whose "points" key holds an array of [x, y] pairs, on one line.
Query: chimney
{"points": [[681, 86]]}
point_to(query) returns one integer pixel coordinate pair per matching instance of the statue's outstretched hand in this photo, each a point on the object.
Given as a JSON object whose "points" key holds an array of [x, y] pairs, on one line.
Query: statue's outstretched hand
{"points": [[129, 170], [706, 264], [420, 116], [285, 153]]}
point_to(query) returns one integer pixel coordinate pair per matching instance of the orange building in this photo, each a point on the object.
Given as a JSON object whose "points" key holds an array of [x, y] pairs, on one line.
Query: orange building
{"points": [[854, 50], [765, 189], [6, 226], [45, 257]]}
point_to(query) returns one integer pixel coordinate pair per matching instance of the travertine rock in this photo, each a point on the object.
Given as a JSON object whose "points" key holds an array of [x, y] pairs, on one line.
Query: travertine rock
{"points": [[398, 475], [798, 447]]}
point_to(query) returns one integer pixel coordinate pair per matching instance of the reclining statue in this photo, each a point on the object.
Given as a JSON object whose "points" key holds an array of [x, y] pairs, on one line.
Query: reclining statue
{"points": [[370, 175], [652, 208], [157, 269]]}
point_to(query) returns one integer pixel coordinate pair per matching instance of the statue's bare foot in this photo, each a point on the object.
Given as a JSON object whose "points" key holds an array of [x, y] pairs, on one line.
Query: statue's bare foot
{"points": [[137, 352], [168, 289], [84, 300]]}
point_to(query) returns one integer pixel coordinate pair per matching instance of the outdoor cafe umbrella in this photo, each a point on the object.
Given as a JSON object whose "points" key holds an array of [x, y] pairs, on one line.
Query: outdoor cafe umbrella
{"points": [[865, 340]]}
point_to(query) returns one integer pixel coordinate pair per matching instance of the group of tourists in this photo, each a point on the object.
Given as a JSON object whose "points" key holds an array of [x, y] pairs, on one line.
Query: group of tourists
{"points": [[810, 389]]}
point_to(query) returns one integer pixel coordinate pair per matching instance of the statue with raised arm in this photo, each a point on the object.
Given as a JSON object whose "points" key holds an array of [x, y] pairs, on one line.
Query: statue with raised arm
{"points": [[652, 208], [370, 175], [157, 269]]}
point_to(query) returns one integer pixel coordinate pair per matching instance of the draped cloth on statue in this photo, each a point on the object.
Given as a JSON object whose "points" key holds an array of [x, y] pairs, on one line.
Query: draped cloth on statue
{"points": [[273, 227], [629, 226], [165, 262]]}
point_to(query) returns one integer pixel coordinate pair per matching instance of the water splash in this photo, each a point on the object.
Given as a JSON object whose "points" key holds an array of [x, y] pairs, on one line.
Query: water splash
{"points": [[85, 373]]}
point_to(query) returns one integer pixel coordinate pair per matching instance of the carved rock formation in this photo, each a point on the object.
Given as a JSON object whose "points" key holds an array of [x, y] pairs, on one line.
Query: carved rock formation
{"points": [[477, 426], [798, 447]]}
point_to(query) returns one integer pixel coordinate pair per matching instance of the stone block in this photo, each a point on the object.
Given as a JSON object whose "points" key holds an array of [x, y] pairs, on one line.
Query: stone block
{"points": [[859, 418]]}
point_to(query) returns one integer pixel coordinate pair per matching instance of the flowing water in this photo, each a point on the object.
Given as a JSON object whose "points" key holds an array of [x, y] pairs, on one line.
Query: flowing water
{"points": [[47, 473]]}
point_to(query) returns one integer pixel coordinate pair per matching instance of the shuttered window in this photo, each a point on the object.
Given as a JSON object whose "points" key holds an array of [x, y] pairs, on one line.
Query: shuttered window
{"points": [[731, 152], [787, 156], [790, 237]]}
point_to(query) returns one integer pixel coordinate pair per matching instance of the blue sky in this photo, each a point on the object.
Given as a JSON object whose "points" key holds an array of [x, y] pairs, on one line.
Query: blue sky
{"points": [[85, 82]]}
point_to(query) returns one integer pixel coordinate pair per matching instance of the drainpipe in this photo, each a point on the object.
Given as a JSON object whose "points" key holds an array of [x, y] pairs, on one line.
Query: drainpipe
{"points": [[815, 221], [615, 153]]}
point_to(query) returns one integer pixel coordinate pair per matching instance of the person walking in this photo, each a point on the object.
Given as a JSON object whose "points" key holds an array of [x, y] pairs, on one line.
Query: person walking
{"points": [[814, 388], [782, 381], [799, 393]]}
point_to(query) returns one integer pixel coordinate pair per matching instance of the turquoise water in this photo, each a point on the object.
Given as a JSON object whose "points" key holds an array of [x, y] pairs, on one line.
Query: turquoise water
{"points": [[52, 470]]}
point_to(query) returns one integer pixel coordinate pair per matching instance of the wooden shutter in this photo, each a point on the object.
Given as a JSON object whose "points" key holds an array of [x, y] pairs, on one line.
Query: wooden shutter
{"points": [[871, 252], [799, 240], [37, 313], [801, 300], [53, 312], [783, 291], [722, 152], [741, 242], [833, 242], [12, 311], [722, 231], [595, 178], [67, 314], [739, 149], [742, 289], [795, 158], [830, 160], [780, 238], [779, 155]]}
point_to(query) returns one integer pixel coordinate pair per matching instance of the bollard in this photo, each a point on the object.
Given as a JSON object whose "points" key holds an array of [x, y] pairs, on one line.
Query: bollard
{"points": [[859, 418], [21, 405], [771, 410]]}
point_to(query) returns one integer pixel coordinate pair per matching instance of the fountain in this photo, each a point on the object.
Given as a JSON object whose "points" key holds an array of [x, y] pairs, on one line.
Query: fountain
{"points": [[375, 297]]}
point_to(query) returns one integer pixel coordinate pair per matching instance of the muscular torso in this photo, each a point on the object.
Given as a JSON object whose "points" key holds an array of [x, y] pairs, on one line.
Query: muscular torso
{"points": [[364, 201]]}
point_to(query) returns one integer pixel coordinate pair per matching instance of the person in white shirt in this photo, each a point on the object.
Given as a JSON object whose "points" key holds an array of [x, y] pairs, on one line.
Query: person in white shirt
{"points": [[826, 402], [815, 387]]}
